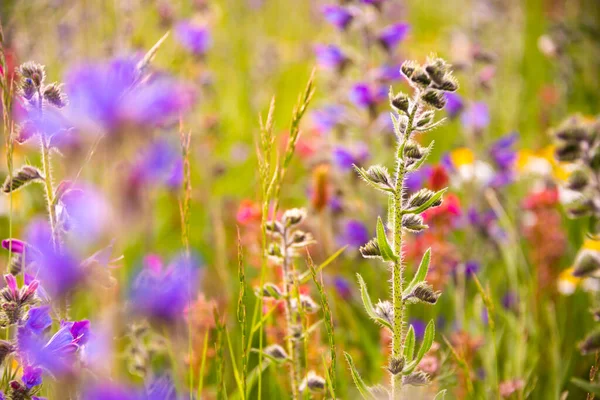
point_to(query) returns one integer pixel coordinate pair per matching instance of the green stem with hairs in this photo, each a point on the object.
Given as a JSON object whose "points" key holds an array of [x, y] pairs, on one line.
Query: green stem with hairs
{"points": [[398, 267]]}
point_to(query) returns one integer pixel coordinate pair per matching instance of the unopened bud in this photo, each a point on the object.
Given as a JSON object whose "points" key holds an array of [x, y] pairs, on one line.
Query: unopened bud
{"points": [[586, 263], [313, 382], [418, 378], [401, 102], [293, 216], [396, 365], [434, 98], [413, 223], [370, 249], [276, 351]]}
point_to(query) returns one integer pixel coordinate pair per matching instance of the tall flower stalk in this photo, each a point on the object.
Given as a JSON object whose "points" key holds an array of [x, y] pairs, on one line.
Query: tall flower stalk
{"points": [[410, 117]]}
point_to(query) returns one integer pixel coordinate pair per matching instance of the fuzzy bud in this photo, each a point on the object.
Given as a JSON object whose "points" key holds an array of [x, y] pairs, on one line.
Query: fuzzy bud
{"points": [[434, 98], [34, 71], [418, 378], [586, 263], [276, 351], [420, 77], [425, 118], [448, 84], [274, 251], [54, 95], [578, 180], [293, 216], [401, 102], [301, 239], [591, 343], [580, 207], [379, 175], [270, 290], [408, 68], [413, 151], [6, 348], [425, 293], [274, 227], [396, 365], [308, 304], [421, 197], [436, 68], [370, 249], [385, 310], [413, 223], [23, 176], [313, 382], [567, 152]]}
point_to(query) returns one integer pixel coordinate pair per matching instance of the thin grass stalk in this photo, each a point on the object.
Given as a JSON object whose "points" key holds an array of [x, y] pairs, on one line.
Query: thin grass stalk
{"points": [[328, 325], [241, 311]]}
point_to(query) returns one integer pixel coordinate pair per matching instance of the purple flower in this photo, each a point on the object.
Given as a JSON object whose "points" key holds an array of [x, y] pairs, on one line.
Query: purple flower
{"points": [[362, 96], [476, 117], [330, 56], [391, 35], [342, 287], [355, 234], [419, 327], [161, 388], [58, 271], [510, 300], [32, 376], [415, 180], [196, 39], [471, 268], [111, 391], [84, 212], [57, 355], [343, 158], [338, 16], [328, 117], [388, 73], [160, 164], [504, 157], [165, 294], [104, 95], [38, 320], [454, 104]]}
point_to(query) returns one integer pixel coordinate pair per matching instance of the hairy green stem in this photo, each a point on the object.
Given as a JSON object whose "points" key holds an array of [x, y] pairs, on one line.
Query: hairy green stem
{"points": [[398, 266], [292, 323]]}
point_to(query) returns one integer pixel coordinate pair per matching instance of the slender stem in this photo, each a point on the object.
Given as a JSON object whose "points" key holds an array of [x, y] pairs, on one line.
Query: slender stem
{"points": [[293, 345], [48, 183], [398, 267]]}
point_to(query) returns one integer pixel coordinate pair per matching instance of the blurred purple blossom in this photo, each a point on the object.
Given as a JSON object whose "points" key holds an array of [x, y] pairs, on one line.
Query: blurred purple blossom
{"points": [[329, 56], [388, 73], [415, 180], [84, 212], [58, 271], [476, 116], [345, 158], [342, 287], [165, 294], [419, 327], [194, 38], [504, 157], [354, 234], [361, 95], [59, 354], [38, 320], [32, 376], [111, 391], [159, 164], [104, 95], [510, 300], [338, 16], [391, 35], [328, 117], [454, 104]]}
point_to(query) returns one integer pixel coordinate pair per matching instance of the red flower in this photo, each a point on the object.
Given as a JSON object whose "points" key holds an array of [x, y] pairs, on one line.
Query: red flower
{"points": [[248, 212], [545, 198], [438, 178]]}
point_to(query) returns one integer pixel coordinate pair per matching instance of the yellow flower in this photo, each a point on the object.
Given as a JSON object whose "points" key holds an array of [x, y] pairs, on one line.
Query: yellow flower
{"points": [[567, 283], [462, 156]]}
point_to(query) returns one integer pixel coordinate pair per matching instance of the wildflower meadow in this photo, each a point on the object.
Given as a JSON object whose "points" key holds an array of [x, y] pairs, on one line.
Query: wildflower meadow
{"points": [[309, 199]]}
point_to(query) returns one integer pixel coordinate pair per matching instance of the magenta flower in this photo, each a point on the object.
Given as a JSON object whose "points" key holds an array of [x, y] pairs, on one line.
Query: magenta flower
{"points": [[15, 245], [32, 376], [391, 35], [330, 57], [194, 38], [338, 16]]}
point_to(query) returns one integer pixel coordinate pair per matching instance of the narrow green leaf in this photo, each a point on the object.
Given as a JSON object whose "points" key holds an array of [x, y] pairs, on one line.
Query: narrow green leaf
{"points": [[305, 276], [360, 384], [409, 344], [425, 206], [586, 385], [441, 395], [368, 305], [421, 273], [386, 251], [425, 346]]}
